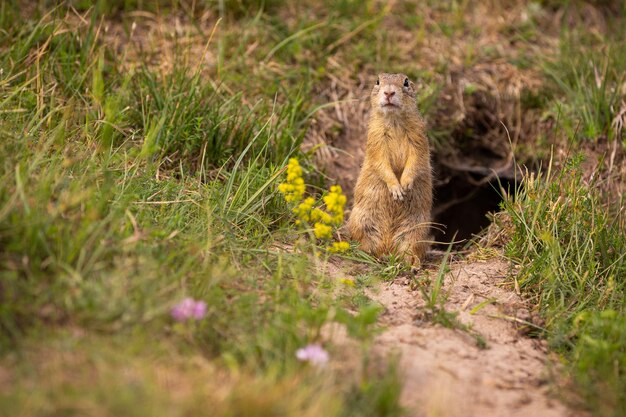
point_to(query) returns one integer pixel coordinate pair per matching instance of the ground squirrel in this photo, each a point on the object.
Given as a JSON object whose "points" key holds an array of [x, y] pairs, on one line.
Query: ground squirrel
{"points": [[393, 194]]}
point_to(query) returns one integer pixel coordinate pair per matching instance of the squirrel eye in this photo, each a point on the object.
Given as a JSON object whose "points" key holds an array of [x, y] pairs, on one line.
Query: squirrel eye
{"points": [[406, 82], [377, 81]]}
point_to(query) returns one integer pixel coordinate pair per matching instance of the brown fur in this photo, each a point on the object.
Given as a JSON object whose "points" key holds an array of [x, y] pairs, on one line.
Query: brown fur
{"points": [[393, 194]]}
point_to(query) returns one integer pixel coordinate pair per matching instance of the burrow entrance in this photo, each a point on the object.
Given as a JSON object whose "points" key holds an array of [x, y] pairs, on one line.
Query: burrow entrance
{"points": [[468, 183], [462, 201], [477, 120]]}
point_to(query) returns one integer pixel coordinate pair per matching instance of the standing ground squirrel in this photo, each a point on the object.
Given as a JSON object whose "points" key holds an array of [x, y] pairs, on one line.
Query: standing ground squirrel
{"points": [[393, 194]]}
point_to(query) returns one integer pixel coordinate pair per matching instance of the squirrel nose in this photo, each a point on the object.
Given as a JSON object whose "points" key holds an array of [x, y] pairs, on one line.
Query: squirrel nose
{"points": [[389, 94]]}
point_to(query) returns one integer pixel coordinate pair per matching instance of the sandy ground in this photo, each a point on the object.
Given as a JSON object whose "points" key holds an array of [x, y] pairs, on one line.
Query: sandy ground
{"points": [[445, 373]]}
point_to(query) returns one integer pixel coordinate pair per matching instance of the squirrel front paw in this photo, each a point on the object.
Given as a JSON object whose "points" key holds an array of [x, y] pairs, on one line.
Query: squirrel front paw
{"points": [[406, 184], [396, 192]]}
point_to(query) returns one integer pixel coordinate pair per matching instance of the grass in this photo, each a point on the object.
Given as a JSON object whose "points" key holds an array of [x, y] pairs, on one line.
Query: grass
{"points": [[126, 188], [435, 300], [568, 224], [139, 164], [589, 81], [572, 254]]}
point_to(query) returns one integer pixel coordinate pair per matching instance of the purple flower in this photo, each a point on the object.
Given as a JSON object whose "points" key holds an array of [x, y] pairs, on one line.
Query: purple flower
{"points": [[314, 354], [189, 309]]}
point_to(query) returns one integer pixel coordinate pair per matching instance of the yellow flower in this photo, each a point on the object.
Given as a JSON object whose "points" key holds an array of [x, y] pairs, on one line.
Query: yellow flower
{"points": [[337, 219], [294, 188], [322, 231], [303, 210], [321, 216], [347, 281], [335, 201], [339, 247], [293, 167]]}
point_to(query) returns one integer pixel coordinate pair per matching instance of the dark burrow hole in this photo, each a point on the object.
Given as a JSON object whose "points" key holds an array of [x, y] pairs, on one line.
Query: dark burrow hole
{"points": [[476, 166], [462, 201]]}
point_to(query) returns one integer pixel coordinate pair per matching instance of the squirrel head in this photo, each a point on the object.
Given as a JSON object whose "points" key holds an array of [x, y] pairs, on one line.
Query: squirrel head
{"points": [[393, 94]]}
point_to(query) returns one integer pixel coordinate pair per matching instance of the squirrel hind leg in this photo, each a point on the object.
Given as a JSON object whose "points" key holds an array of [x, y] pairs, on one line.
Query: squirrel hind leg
{"points": [[413, 243], [369, 237], [364, 230]]}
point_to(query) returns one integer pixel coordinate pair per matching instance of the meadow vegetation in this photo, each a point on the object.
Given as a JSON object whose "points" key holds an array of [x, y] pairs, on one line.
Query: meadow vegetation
{"points": [[142, 147], [568, 223], [126, 189]]}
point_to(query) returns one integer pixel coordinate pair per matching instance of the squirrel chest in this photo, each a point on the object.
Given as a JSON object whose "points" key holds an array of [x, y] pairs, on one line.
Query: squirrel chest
{"points": [[397, 147]]}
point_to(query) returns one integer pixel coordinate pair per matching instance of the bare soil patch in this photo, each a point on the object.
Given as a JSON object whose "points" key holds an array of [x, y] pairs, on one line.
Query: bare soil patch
{"points": [[445, 373]]}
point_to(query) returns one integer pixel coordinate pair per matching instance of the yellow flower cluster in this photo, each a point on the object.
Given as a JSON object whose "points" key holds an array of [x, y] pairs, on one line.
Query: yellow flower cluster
{"points": [[293, 189], [339, 247], [323, 221], [333, 216], [322, 231], [335, 201], [304, 210]]}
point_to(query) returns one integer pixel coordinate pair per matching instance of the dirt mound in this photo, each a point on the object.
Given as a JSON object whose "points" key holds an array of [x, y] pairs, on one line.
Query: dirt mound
{"points": [[445, 372]]}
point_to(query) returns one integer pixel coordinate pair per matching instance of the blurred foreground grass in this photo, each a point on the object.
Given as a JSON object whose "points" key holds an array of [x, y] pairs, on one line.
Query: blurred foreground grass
{"points": [[132, 179], [126, 188]]}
